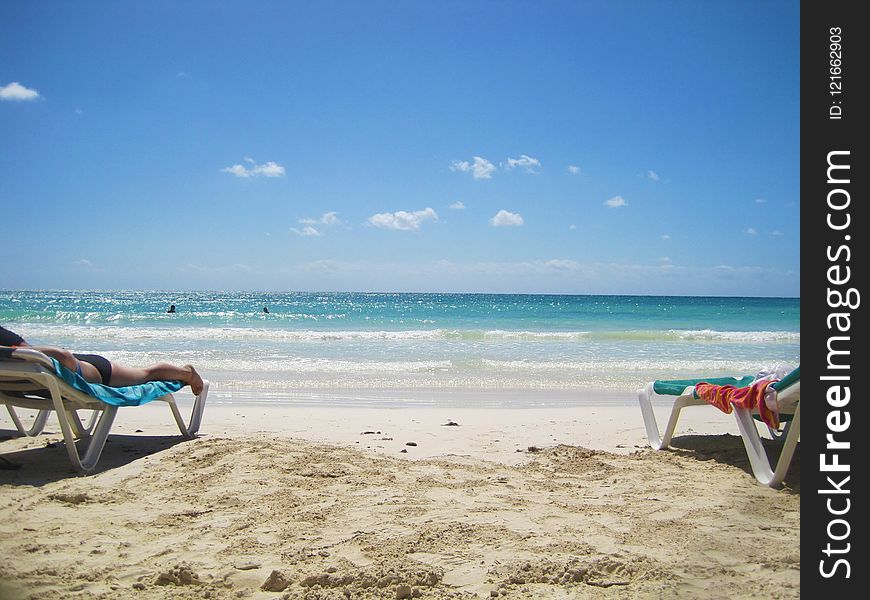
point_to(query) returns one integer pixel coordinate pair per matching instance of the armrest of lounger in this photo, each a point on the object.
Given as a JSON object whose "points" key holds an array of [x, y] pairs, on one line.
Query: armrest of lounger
{"points": [[26, 354]]}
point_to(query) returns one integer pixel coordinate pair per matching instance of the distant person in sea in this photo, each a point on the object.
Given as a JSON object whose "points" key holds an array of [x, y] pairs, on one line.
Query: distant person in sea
{"points": [[171, 308], [266, 309], [98, 369]]}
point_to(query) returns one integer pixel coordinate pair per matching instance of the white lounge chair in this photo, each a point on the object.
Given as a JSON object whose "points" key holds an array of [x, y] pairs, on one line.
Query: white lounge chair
{"points": [[30, 379], [788, 392]]}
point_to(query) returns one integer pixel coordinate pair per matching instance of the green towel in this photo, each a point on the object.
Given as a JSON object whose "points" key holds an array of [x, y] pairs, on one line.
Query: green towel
{"points": [[675, 387]]}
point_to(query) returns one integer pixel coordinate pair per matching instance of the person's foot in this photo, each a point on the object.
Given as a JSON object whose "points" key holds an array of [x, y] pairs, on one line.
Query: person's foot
{"points": [[194, 381]]}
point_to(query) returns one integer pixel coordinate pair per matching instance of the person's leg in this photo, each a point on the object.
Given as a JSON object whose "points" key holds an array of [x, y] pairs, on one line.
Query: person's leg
{"points": [[68, 360], [122, 375]]}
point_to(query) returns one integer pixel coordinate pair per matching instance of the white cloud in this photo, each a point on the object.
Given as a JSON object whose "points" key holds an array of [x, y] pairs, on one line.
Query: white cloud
{"points": [[17, 92], [402, 220], [328, 218], [457, 206], [237, 170], [573, 169], [652, 175], [306, 231], [760, 200], [572, 227], [525, 162], [480, 169], [776, 232], [268, 169], [615, 202], [752, 231], [504, 218], [666, 237]]}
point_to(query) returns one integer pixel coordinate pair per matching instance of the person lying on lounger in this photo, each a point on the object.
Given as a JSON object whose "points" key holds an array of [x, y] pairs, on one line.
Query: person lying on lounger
{"points": [[98, 369]]}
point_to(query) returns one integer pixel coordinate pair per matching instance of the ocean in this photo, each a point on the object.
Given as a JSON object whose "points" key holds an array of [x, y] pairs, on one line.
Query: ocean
{"points": [[404, 348]]}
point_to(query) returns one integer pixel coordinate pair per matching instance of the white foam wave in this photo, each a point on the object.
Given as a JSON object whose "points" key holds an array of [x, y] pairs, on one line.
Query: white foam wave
{"points": [[737, 336], [261, 334]]}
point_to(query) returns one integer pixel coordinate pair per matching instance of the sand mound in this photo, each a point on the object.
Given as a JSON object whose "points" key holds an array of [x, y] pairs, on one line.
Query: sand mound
{"points": [[269, 517]]}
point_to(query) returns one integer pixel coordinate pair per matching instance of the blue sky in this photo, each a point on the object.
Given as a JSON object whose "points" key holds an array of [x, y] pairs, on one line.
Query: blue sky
{"points": [[553, 147]]}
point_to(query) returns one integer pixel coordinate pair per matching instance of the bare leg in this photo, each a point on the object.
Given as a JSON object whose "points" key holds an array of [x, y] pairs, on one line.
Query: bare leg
{"points": [[122, 375]]}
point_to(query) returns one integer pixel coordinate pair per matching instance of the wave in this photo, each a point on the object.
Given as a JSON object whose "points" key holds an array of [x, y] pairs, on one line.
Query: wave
{"points": [[481, 371], [45, 333]]}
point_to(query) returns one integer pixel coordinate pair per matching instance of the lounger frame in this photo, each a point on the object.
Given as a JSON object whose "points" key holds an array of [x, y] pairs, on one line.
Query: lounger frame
{"points": [[34, 372], [789, 402]]}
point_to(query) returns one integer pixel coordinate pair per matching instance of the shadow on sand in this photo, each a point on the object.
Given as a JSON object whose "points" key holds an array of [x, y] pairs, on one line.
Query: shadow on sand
{"points": [[48, 461], [728, 449]]}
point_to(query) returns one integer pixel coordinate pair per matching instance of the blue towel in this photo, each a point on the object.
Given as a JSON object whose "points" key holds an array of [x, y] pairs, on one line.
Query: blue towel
{"points": [[131, 395]]}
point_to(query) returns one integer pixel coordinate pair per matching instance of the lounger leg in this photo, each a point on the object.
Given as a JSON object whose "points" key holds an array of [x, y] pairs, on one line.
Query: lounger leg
{"points": [[189, 430], [755, 449], [644, 396], [792, 436], [778, 434], [82, 430], [98, 438], [38, 422], [95, 414], [679, 404], [649, 418]]}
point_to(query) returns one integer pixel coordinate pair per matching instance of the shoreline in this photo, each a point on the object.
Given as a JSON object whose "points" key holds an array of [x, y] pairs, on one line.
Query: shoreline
{"points": [[500, 434], [421, 397]]}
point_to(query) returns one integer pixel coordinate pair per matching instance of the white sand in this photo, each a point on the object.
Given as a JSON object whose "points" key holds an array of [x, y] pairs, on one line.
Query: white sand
{"points": [[310, 500]]}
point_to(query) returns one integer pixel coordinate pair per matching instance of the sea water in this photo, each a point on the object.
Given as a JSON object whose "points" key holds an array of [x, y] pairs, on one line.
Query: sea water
{"points": [[368, 347]]}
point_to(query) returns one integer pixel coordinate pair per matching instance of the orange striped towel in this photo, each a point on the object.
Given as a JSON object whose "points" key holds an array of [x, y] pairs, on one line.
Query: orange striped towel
{"points": [[724, 397]]}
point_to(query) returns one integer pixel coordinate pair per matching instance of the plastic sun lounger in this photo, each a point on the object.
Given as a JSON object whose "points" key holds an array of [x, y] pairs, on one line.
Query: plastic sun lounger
{"points": [[28, 379], [788, 396]]}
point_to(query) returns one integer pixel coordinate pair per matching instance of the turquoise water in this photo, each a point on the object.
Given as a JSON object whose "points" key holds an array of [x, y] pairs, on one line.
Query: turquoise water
{"points": [[353, 341]]}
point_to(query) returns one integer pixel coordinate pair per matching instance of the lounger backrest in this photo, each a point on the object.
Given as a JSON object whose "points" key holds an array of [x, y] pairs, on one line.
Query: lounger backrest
{"points": [[788, 380]]}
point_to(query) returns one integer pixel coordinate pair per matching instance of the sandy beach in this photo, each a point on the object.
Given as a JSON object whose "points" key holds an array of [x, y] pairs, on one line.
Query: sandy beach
{"points": [[325, 502]]}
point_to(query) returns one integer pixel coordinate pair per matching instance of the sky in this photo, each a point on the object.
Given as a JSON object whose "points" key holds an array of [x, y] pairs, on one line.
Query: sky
{"points": [[614, 147]]}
